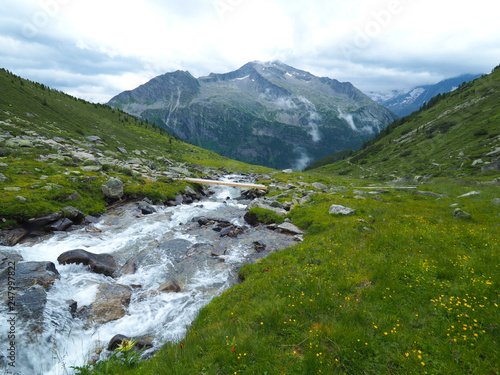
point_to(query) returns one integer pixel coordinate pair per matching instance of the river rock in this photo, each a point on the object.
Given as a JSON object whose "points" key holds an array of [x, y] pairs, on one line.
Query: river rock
{"points": [[7, 256], [28, 274], [110, 303], [61, 225], [130, 267], [99, 263], [336, 209], [30, 306], [176, 249], [72, 213], [171, 286], [41, 222], [113, 188], [12, 237], [218, 250], [146, 208], [289, 228], [259, 246], [140, 342]]}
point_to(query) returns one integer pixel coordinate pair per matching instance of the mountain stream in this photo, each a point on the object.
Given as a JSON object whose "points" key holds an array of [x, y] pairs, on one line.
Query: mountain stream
{"points": [[166, 246]]}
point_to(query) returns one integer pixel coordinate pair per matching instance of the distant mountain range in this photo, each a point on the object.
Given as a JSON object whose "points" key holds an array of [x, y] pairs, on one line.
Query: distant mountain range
{"points": [[263, 113], [404, 102]]}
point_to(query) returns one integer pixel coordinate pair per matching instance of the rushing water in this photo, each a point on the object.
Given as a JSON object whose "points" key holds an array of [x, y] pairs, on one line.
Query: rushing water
{"points": [[68, 341]]}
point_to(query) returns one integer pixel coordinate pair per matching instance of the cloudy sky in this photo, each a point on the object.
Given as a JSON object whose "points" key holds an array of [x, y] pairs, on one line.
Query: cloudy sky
{"points": [[94, 49]]}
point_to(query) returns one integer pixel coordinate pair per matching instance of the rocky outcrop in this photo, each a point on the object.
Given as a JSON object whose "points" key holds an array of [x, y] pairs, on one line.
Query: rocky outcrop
{"points": [[99, 263]]}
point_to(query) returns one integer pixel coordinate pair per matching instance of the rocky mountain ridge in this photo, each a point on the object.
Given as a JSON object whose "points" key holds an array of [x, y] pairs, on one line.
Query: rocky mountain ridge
{"points": [[263, 113]]}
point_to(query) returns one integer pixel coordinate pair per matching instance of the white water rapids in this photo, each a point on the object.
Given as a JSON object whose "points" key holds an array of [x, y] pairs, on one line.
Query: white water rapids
{"points": [[68, 341]]}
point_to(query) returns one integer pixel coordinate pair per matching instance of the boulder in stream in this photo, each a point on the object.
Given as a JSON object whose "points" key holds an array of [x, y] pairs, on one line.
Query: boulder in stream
{"points": [[140, 342], [110, 303], [169, 287], [99, 263]]}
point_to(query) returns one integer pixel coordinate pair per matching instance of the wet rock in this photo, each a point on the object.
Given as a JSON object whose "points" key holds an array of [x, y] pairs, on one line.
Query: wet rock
{"points": [[61, 225], [336, 209], [31, 273], [7, 256], [227, 231], [289, 228], [12, 237], [42, 222], [176, 249], [460, 214], [110, 303], [113, 188], [430, 194], [176, 202], [259, 246], [146, 208], [130, 267], [73, 307], [201, 220], [141, 342], [99, 263], [169, 287], [190, 191], [72, 213], [219, 250], [30, 305]]}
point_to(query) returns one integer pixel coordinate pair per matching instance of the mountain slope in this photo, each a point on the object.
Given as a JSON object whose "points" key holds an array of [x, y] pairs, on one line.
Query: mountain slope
{"points": [[263, 113], [53, 146], [455, 134], [405, 102]]}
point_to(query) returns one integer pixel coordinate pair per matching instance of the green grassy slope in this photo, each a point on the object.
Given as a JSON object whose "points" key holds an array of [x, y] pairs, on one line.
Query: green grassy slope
{"points": [[445, 139], [47, 173]]}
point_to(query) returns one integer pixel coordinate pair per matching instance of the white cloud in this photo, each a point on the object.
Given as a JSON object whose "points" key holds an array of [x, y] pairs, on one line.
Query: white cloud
{"points": [[375, 44]]}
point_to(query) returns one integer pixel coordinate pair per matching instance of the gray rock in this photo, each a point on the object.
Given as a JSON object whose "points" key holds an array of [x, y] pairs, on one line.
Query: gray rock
{"points": [[493, 166], [92, 168], [99, 263], [31, 273], [82, 155], [430, 194], [21, 199], [130, 267], [18, 142], [73, 197], [320, 186], [460, 214], [2, 178], [496, 201], [122, 150], [288, 171], [176, 249], [257, 203], [41, 222], [470, 194], [259, 246], [476, 162], [30, 306], [146, 208], [190, 191], [12, 188], [495, 152], [113, 188], [110, 303], [289, 228], [218, 251], [341, 210], [93, 138], [169, 287], [12, 237], [61, 225]]}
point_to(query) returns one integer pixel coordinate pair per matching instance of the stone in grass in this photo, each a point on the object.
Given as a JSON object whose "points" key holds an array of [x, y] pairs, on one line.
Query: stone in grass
{"points": [[113, 188], [496, 201], [336, 209], [460, 214], [289, 228]]}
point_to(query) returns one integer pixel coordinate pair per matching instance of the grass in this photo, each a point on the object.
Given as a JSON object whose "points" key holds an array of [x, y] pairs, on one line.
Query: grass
{"points": [[401, 287]]}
